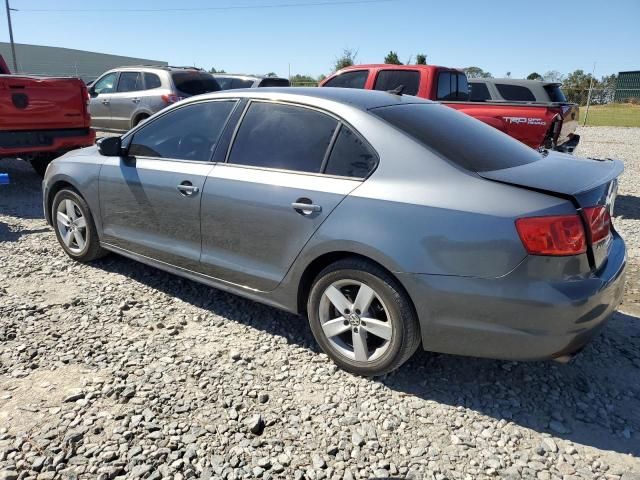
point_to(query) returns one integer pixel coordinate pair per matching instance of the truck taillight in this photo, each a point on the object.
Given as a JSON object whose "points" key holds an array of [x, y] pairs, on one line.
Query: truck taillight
{"points": [[171, 98], [553, 235], [599, 222]]}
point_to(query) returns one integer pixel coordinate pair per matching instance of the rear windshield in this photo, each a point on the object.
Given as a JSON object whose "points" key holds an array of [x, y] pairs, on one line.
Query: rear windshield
{"points": [[194, 83], [274, 82], [555, 94], [463, 140]]}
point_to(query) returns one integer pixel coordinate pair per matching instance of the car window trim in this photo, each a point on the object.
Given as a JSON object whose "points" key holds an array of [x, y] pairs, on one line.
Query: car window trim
{"points": [[129, 136], [341, 123], [411, 70], [366, 71]]}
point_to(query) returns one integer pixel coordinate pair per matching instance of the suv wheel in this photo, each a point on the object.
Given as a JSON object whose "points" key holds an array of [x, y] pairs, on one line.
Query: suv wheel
{"points": [[362, 318]]}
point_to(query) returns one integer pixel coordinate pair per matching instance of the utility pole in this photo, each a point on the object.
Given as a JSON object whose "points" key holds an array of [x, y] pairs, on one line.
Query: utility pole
{"points": [[13, 47]]}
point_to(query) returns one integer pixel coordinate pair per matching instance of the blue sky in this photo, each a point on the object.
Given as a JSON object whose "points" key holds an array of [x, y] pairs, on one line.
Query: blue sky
{"points": [[498, 36]]}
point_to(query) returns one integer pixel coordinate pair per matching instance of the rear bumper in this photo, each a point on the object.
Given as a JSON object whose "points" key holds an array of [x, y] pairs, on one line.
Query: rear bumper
{"points": [[570, 145], [16, 143], [516, 317]]}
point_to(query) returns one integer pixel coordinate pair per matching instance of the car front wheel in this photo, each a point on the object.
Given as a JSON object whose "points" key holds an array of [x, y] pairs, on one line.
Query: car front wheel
{"points": [[74, 226], [362, 318]]}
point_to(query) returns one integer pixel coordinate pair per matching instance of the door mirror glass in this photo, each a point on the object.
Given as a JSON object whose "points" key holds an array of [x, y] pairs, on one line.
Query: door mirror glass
{"points": [[110, 146]]}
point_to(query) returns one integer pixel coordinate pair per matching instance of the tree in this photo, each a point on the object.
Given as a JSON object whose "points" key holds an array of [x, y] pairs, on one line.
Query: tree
{"points": [[272, 74], [347, 59], [392, 58], [476, 72], [534, 76], [321, 77], [508, 74], [213, 70], [303, 80], [552, 76], [421, 59]]}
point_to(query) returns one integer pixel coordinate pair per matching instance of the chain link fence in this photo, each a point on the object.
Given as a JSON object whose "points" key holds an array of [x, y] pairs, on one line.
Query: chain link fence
{"points": [[615, 107]]}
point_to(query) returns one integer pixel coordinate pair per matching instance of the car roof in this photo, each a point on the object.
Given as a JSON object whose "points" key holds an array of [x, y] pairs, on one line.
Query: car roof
{"points": [[360, 99]]}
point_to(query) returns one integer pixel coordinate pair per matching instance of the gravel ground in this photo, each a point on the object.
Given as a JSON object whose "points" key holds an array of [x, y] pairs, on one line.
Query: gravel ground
{"points": [[117, 370]]}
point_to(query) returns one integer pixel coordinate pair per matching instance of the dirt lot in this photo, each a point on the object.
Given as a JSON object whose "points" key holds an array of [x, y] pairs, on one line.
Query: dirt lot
{"points": [[117, 370]]}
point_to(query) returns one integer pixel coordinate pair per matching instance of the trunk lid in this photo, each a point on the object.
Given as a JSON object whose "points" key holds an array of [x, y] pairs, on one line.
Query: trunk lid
{"points": [[585, 182], [41, 103]]}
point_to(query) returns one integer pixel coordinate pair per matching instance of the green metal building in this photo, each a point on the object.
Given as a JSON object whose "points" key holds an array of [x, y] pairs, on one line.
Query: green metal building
{"points": [[66, 62], [628, 86]]}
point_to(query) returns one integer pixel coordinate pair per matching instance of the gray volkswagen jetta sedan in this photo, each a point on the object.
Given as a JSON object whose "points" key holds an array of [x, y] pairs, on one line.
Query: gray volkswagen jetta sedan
{"points": [[388, 221]]}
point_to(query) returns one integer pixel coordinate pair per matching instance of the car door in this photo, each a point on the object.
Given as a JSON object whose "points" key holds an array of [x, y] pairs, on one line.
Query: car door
{"points": [[125, 101], [261, 207], [150, 199], [100, 102]]}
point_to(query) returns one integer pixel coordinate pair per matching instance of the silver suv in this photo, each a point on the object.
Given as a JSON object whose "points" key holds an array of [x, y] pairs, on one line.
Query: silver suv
{"points": [[123, 97]]}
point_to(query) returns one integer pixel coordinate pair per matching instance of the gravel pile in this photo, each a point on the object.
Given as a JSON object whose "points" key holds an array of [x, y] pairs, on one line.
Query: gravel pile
{"points": [[117, 370]]}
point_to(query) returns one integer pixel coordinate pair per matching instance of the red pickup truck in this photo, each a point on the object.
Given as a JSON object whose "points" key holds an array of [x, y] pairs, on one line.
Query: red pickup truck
{"points": [[42, 117], [540, 125]]}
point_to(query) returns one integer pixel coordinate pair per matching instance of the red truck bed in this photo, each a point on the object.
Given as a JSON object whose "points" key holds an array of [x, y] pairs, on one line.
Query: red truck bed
{"points": [[538, 125]]}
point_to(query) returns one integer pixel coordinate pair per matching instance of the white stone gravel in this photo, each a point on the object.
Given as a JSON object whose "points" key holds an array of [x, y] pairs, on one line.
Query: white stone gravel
{"points": [[117, 370]]}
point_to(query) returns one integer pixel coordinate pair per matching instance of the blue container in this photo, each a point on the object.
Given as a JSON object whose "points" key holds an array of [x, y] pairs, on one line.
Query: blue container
{"points": [[4, 179]]}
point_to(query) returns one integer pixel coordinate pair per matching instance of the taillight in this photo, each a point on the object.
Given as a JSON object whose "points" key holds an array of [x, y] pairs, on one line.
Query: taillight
{"points": [[171, 98], [552, 235], [599, 221]]}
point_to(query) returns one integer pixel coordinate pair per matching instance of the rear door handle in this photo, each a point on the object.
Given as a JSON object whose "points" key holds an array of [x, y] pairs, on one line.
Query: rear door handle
{"points": [[105, 102], [135, 100], [187, 189], [305, 208]]}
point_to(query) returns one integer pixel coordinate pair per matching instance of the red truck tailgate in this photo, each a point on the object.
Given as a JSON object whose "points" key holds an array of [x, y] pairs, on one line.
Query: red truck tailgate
{"points": [[40, 103]]}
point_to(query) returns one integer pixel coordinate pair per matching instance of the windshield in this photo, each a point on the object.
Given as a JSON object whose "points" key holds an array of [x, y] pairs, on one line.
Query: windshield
{"points": [[463, 140], [194, 83]]}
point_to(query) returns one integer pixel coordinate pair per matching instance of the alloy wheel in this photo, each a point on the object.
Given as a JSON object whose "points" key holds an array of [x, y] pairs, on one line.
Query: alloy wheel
{"points": [[72, 226], [355, 320]]}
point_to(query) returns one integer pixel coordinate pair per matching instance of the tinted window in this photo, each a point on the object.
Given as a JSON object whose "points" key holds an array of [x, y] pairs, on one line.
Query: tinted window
{"points": [[194, 82], [241, 83], [478, 92], [151, 80], [283, 136], [350, 156], [187, 133], [130, 82], [452, 86], [274, 82], [461, 139], [355, 79], [224, 82], [515, 93], [106, 84], [392, 79], [555, 94]]}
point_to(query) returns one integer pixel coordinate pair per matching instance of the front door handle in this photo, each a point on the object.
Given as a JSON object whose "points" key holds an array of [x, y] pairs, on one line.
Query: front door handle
{"points": [[304, 207], [135, 100], [105, 102], [187, 189]]}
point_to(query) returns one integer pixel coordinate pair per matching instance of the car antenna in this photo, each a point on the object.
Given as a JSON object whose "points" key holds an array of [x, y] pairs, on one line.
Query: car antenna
{"points": [[397, 91]]}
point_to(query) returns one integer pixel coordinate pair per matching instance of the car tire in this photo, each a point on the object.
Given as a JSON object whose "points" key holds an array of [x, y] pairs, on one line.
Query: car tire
{"points": [[40, 162], [139, 119], [74, 226], [391, 329]]}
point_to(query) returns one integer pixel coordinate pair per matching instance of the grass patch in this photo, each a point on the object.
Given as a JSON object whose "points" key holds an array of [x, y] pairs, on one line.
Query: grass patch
{"points": [[612, 115]]}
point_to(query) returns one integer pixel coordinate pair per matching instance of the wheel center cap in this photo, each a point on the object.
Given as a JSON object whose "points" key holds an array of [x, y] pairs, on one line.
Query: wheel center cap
{"points": [[354, 319]]}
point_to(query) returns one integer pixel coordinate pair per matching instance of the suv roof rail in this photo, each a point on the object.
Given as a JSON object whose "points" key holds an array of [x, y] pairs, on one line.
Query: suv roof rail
{"points": [[186, 68], [164, 67]]}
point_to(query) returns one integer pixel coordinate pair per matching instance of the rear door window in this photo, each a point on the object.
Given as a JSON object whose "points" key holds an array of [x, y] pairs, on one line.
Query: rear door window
{"points": [[352, 79], [130, 82], [187, 133], [241, 83], [194, 82], [151, 80], [283, 136], [515, 93], [274, 82], [452, 86], [478, 92], [555, 93], [350, 156], [392, 79]]}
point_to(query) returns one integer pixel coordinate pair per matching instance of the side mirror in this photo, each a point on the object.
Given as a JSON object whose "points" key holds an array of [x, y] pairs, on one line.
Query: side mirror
{"points": [[92, 92], [110, 146]]}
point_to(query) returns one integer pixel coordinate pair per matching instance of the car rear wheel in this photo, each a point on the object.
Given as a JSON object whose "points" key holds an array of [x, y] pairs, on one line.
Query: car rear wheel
{"points": [[74, 226], [362, 318]]}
